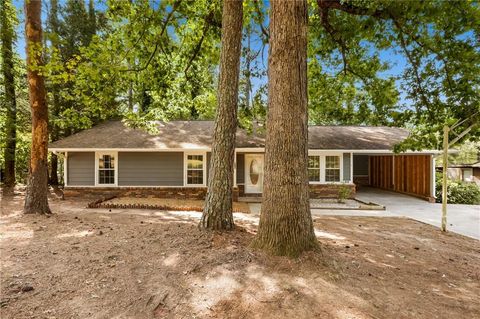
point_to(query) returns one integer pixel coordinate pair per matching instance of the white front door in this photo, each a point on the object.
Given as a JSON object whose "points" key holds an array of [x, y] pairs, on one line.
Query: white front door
{"points": [[253, 173]]}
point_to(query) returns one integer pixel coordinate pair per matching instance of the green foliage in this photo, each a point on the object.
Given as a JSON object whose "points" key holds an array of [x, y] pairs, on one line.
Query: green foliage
{"points": [[458, 192], [465, 153], [156, 62], [344, 193], [23, 109], [440, 84]]}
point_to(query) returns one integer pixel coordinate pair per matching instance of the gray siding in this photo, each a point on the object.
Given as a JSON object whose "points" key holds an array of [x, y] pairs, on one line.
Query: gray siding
{"points": [[240, 168], [81, 169], [360, 165], [150, 169], [346, 167]]}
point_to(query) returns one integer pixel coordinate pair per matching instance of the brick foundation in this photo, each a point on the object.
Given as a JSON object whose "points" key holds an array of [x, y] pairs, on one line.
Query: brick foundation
{"points": [[363, 180], [316, 191], [162, 192]]}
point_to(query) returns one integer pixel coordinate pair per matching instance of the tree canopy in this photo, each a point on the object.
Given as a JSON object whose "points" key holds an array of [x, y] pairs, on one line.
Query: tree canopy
{"points": [[381, 62]]}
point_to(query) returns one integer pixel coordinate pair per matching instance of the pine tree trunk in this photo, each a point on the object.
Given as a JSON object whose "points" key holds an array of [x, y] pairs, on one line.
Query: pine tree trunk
{"points": [[286, 226], [217, 213], [53, 180], [7, 35], [36, 199]]}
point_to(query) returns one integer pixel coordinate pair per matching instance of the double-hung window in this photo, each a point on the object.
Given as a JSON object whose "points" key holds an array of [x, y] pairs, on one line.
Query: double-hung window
{"points": [[106, 169], [332, 168], [195, 169], [314, 169]]}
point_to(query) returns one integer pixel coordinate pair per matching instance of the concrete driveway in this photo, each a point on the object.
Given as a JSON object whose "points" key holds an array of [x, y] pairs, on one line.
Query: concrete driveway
{"points": [[461, 219]]}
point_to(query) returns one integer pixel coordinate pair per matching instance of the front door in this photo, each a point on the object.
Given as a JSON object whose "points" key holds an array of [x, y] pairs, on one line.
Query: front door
{"points": [[253, 173]]}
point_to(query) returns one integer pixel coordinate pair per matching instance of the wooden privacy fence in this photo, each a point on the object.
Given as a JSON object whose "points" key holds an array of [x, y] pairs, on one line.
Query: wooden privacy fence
{"points": [[409, 174]]}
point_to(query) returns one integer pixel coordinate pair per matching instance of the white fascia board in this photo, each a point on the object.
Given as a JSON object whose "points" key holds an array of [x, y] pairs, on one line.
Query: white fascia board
{"points": [[239, 150], [61, 150]]}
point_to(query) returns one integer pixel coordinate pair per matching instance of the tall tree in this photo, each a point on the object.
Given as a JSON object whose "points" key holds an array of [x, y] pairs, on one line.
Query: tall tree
{"points": [[439, 84], [286, 226], [36, 198], [217, 213], [7, 34], [53, 25]]}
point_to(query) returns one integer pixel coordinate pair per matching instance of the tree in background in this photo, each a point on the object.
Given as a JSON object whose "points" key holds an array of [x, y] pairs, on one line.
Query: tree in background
{"points": [[36, 198], [286, 226], [69, 29], [252, 100], [7, 36], [156, 62], [352, 84], [217, 213], [52, 35]]}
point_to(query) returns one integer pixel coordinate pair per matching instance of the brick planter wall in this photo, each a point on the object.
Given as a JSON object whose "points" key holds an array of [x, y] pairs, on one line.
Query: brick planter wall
{"points": [[316, 190], [329, 190]]}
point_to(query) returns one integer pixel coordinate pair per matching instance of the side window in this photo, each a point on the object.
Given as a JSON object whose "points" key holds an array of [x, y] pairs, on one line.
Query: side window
{"points": [[106, 169], [332, 168], [195, 169], [314, 168]]}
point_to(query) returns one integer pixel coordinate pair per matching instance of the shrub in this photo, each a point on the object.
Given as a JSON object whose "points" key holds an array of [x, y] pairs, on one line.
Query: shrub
{"points": [[343, 193], [458, 192]]}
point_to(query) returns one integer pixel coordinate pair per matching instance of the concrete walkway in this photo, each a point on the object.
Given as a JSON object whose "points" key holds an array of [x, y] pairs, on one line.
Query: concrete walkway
{"points": [[462, 219]]}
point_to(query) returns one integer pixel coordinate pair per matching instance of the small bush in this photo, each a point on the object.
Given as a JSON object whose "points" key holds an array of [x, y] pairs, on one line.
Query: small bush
{"points": [[343, 193], [458, 192]]}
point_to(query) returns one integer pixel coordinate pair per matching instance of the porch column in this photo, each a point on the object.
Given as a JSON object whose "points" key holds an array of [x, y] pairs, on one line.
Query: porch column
{"points": [[351, 167], [65, 169]]}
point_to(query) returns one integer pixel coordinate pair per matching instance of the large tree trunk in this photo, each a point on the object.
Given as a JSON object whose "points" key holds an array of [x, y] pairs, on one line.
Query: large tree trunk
{"points": [[217, 213], [7, 36], [286, 226], [36, 199]]}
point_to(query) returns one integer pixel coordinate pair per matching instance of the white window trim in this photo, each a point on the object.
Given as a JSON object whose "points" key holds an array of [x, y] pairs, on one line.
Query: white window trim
{"points": [[97, 162], [322, 155], [185, 168]]}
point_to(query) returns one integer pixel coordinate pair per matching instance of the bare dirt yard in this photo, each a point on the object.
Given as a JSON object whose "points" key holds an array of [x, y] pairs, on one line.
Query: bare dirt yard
{"points": [[96, 263]]}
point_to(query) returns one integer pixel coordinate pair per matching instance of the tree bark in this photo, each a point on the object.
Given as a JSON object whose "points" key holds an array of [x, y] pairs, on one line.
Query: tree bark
{"points": [[8, 69], [217, 213], [286, 226], [36, 199]]}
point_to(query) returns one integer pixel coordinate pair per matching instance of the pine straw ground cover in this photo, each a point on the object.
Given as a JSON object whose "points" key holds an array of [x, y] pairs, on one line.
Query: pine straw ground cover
{"points": [[127, 263]]}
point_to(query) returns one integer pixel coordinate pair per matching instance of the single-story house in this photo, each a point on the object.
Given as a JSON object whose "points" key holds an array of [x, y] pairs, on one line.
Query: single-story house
{"points": [[112, 158], [469, 173]]}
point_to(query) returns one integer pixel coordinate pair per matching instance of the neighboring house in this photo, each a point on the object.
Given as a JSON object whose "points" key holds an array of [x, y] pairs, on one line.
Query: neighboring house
{"points": [[469, 173], [113, 159]]}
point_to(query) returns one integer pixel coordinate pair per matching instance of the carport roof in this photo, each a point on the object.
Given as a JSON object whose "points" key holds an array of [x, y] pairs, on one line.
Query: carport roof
{"points": [[198, 135]]}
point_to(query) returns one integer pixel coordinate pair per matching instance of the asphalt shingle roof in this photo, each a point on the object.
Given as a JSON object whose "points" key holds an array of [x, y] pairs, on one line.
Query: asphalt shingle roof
{"points": [[198, 135]]}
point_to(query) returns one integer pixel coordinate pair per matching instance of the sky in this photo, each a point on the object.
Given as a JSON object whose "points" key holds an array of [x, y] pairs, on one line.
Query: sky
{"points": [[396, 61]]}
